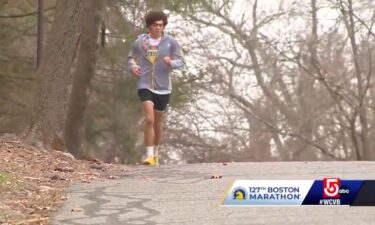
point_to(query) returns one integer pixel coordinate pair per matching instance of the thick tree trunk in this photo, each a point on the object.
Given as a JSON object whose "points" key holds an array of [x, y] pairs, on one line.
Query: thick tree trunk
{"points": [[54, 75], [73, 131]]}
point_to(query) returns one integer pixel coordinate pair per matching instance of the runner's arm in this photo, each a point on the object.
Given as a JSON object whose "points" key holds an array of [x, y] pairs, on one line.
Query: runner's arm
{"points": [[177, 58], [133, 56]]}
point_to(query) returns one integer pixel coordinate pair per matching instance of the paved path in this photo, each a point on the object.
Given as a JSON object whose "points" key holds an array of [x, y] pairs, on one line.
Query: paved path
{"points": [[184, 194]]}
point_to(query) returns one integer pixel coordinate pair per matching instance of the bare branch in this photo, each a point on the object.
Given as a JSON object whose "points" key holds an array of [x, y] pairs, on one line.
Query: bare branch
{"points": [[25, 14]]}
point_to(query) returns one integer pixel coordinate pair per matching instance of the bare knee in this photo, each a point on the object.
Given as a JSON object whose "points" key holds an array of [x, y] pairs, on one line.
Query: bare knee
{"points": [[149, 120]]}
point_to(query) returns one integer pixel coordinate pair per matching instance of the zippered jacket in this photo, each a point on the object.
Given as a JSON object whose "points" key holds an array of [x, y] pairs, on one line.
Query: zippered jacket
{"points": [[155, 73]]}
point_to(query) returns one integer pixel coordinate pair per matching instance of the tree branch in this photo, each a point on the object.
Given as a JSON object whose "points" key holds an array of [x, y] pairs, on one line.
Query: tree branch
{"points": [[25, 14]]}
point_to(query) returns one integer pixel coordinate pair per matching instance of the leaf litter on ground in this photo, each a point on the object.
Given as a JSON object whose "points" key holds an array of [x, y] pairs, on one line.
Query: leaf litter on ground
{"points": [[32, 180]]}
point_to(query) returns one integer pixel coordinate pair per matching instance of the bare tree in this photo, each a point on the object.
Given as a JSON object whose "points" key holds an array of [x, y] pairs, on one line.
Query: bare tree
{"points": [[306, 106], [363, 140]]}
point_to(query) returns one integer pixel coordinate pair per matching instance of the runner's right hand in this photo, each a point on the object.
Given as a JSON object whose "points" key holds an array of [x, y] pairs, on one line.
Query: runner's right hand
{"points": [[136, 71]]}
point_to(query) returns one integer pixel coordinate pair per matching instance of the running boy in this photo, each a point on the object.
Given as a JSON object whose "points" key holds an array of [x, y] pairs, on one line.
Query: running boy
{"points": [[151, 60]]}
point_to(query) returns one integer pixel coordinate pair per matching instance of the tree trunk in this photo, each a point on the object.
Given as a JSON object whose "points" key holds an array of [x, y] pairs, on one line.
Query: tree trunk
{"points": [[54, 74], [305, 88], [365, 151], [73, 131], [40, 32]]}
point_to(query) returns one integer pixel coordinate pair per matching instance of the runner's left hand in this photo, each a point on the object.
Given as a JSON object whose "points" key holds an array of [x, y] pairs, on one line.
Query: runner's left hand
{"points": [[167, 60]]}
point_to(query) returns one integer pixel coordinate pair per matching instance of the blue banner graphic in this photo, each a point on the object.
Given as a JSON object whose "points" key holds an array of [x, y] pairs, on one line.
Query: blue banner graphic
{"points": [[329, 191]]}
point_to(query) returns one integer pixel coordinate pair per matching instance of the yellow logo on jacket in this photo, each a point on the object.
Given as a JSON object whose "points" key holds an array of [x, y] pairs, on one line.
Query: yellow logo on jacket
{"points": [[152, 54]]}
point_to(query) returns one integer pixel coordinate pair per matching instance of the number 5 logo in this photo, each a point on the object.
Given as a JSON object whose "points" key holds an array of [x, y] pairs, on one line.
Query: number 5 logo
{"points": [[331, 187]]}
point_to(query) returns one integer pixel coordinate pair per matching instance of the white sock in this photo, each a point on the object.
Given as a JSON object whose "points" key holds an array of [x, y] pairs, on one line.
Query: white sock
{"points": [[150, 150], [156, 150]]}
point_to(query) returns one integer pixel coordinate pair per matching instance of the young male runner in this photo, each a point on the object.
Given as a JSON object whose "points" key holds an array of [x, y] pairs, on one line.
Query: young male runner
{"points": [[151, 60]]}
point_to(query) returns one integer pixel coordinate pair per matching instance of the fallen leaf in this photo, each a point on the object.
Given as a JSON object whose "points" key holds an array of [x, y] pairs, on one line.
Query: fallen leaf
{"points": [[33, 221], [94, 160], [94, 174], [64, 169], [46, 188], [97, 167], [76, 210], [32, 178], [57, 177], [69, 155]]}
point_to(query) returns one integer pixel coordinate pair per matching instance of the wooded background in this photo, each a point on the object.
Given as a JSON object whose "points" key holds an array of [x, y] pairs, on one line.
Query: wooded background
{"points": [[264, 81]]}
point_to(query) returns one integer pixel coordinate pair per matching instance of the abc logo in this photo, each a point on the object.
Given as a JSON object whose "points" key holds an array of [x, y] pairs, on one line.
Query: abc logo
{"points": [[343, 191]]}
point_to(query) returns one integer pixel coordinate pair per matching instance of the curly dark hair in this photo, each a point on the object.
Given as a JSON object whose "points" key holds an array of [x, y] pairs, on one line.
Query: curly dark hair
{"points": [[153, 16]]}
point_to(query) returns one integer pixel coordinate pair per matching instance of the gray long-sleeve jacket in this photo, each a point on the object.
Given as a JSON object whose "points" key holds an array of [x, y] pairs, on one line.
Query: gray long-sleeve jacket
{"points": [[155, 77]]}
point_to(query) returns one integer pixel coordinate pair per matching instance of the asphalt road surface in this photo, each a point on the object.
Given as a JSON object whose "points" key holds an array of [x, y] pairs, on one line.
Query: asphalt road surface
{"points": [[193, 193]]}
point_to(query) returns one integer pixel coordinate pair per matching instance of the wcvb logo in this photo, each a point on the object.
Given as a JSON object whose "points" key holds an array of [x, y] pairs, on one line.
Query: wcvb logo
{"points": [[331, 187]]}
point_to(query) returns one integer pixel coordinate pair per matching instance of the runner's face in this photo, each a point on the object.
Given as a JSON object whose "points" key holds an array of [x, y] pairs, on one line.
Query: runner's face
{"points": [[156, 29]]}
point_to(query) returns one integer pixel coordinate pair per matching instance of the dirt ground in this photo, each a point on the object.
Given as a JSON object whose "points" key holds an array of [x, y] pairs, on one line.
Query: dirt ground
{"points": [[32, 181]]}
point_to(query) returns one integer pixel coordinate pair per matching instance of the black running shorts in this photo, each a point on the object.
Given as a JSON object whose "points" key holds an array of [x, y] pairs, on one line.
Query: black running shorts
{"points": [[160, 101]]}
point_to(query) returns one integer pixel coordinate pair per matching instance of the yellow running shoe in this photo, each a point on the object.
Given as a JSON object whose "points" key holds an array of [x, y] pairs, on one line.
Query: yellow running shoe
{"points": [[149, 161], [156, 159], [156, 155]]}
